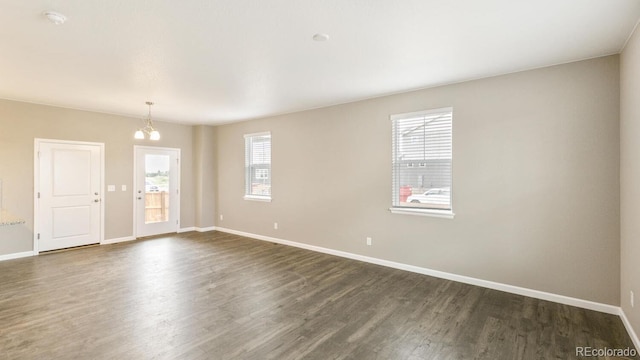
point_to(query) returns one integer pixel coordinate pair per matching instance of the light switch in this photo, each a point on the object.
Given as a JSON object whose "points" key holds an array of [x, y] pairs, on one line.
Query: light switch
{"points": [[124, 187], [111, 188]]}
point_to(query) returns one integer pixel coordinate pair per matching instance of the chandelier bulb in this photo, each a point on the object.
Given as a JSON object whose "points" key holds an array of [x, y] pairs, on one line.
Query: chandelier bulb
{"points": [[148, 128]]}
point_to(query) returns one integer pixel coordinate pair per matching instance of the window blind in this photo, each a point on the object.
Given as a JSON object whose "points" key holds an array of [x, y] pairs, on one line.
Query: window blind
{"points": [[258, 164], [422, 159]]}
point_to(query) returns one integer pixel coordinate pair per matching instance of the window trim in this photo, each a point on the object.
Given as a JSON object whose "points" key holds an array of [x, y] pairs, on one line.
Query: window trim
{"points": [[263, 198], [253, 197], [446, 214]]}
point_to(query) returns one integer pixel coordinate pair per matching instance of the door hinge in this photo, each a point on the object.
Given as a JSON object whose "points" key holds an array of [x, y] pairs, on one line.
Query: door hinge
{"points": [[38, 195], [38, 236], [177, 222]]}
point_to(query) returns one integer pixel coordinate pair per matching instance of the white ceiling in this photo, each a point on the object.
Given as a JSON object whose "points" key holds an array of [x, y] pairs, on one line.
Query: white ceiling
{"points": [[216, 61]]}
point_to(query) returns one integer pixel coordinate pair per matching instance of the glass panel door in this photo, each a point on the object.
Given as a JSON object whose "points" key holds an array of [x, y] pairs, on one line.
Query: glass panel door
{"points": [[157, 181], [157, 199]]}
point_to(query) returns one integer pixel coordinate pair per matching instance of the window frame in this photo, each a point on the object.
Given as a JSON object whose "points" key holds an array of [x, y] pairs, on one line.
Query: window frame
{"points": [[439, 213], [249, 165]]}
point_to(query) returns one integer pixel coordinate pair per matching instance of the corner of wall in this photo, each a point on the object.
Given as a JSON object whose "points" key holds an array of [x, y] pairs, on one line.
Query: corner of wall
{"points": [[629, 178]]}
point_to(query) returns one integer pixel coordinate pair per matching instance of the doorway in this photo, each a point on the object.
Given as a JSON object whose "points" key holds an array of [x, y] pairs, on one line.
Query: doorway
{"points": [[157, 190], [69, 178]]}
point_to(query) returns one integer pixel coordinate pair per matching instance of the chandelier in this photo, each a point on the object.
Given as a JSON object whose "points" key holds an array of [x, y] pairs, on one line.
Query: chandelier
{"points": [[148, 128]]}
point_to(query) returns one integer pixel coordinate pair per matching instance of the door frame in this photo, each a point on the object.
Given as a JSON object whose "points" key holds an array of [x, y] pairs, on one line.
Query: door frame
{"points": [[36, 186], [135, 182]]}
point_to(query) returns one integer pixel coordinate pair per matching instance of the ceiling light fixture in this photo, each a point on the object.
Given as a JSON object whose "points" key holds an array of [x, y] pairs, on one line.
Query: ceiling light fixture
{"points": [[320, 37], [55, 17], [148, 128]]}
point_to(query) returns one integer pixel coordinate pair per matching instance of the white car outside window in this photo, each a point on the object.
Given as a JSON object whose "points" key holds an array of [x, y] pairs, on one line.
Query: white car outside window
{"points": [[437, 196]]}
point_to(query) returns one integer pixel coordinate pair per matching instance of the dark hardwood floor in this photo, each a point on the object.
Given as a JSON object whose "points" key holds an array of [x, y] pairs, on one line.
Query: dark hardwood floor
{"points": [[220, 296]]}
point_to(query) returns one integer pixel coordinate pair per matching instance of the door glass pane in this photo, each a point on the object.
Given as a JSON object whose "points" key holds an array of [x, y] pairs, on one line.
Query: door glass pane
{"points": [[156, 185]]}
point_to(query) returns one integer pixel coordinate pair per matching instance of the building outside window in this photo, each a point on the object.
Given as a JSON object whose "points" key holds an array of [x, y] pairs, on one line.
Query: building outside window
{"points": [[422, 161], [258, 166]]}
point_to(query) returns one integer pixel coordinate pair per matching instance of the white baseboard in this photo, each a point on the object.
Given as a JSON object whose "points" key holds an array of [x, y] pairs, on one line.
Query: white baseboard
{"points": [[16, 255], [205, 229], [198, 229], [130, 238], [632, 333], [586, 304], [117, 240]]}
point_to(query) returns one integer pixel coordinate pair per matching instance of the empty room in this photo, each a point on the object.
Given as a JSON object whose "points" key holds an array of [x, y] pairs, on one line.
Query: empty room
{"points": [[413, 179]]}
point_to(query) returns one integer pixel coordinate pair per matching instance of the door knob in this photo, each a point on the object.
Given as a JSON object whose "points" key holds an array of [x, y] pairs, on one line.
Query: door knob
{"points": [[139, 198], [96, 200]]}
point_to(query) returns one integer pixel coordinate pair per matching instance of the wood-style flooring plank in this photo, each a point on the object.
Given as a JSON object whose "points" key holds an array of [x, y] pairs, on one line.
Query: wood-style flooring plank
{"points": [[221, 296]]}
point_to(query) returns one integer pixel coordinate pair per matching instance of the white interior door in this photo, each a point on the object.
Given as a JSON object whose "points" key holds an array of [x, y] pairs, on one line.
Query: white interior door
{"points": [[69, 191], [157, 194]]}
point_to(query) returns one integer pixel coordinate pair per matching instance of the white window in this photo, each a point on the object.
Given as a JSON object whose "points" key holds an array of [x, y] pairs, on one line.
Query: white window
{"points": [[257, 166], [423, 138]]}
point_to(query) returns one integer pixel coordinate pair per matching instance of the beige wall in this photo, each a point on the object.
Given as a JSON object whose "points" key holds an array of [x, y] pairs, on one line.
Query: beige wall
{"points": [[20, 123], [204, 157], [535, 184], [536, 177], [630, 177]]}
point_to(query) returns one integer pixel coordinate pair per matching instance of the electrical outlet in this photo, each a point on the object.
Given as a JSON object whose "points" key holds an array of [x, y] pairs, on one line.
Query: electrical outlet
{"points": [[275, 225], [221, 217], [111, 188], [124, 187], [631, 297], [368, 241]]}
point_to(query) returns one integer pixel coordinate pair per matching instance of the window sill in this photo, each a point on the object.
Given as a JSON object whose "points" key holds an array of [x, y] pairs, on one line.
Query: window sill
{"points": [[446, 214], [258, 198]]}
